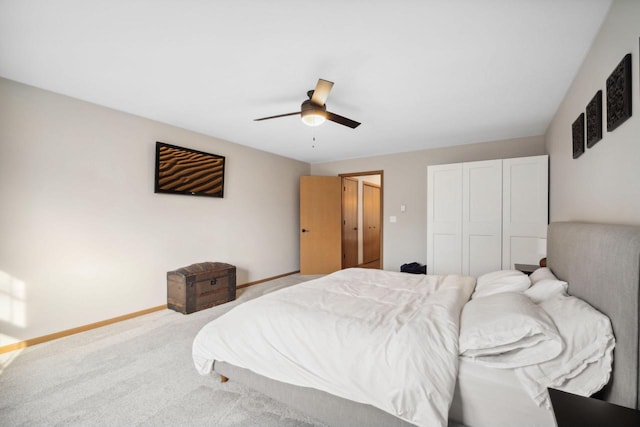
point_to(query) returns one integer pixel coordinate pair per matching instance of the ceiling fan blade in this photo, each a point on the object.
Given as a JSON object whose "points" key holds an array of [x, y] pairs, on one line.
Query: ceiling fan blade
{"points": [[342, 120], [321, 92], [275, 117]]}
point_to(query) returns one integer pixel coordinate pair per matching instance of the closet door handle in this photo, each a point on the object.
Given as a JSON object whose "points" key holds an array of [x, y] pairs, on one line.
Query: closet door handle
{"points": [[304, 230]]}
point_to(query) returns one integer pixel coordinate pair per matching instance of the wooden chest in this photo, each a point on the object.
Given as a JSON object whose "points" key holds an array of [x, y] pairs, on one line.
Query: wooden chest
{"points": [[200, 286]]}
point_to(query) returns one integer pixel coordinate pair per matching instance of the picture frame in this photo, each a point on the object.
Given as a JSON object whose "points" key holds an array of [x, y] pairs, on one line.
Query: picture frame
{"points": [[577, 131], [186, 171], [619, 94], [594, 119]]}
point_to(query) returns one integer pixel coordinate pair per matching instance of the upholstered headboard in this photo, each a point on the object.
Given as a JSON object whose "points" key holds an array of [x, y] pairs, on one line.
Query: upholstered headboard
{"points": [[601, 263]]}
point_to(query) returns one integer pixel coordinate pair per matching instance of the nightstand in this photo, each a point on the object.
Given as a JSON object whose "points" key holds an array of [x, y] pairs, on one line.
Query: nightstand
{"points": [[573, 410]]}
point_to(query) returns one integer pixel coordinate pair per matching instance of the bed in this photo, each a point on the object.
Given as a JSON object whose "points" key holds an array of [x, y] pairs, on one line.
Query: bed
{"points": [[600, 262]]}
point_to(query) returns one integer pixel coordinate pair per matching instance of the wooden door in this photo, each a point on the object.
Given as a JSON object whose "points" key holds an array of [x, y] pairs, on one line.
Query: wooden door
{"points": [[444, 219], [349, 222], [371, 222], [481, 217], [320, 230]]}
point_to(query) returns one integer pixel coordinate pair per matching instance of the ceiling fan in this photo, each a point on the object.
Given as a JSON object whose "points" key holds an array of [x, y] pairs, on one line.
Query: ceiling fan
{"points": [[313, 111]]}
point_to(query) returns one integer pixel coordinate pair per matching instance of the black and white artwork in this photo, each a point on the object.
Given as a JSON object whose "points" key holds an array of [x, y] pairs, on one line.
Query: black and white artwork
{"points": [[619, 94], [577, 130], [594, 120]]}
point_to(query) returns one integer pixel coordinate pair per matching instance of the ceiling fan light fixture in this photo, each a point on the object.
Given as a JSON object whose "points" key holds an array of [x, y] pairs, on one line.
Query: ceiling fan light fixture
{"points": [[313, 118], [313, 114]]}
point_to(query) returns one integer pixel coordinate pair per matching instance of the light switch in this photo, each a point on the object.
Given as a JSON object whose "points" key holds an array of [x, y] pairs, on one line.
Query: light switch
{"points": [[393, 219], [403, 208]]}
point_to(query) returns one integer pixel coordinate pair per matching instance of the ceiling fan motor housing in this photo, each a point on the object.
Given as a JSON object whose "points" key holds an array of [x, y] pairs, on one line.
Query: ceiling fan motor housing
{"points": [[309, 107]]}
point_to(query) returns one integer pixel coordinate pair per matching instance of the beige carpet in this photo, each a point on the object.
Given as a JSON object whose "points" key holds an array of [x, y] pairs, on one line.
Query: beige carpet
{"points": [[134, 373]]}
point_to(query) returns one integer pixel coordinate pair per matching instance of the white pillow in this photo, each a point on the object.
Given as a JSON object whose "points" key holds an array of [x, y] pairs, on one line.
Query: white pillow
{"points": [[542, 273], [545, 289], [507, 330], [501, 281]]}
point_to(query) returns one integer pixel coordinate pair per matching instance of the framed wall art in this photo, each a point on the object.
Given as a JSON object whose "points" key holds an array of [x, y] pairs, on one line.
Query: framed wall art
{"points": [[594, 119], [186, 171], [619, 94], [577, 130]]}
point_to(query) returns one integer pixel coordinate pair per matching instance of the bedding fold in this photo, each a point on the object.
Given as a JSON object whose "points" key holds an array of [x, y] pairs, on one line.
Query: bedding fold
{"points": [[584, 366], [507, 330]]}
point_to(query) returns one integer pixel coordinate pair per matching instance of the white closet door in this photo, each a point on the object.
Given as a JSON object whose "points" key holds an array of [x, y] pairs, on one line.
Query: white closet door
{"points": [[481, 217], [525, 210], [444, 219]]}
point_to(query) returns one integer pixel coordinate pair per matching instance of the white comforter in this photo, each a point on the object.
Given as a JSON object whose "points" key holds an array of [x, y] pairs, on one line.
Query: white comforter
{"points": [[382, 338]]}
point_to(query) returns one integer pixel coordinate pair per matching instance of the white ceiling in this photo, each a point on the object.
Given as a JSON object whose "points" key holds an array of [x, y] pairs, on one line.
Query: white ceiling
{"points": [[417, 74]]}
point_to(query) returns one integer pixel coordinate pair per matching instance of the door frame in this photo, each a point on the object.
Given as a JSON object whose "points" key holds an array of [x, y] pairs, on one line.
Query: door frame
{"points": [[381, 173]]}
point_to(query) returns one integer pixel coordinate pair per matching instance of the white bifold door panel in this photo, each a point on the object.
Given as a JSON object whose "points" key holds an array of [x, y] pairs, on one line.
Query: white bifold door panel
{"points": [[481, 217], [486, 216], [525, 210], [444, 219]]}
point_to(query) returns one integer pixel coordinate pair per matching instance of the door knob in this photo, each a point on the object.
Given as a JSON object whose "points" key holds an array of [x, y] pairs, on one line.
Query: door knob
{"points": [[304, 230]]}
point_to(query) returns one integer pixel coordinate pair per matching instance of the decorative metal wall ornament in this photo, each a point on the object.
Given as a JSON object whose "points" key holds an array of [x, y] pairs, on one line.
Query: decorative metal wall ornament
{"points": [[577, 129], [594, 120], [619, 94]]}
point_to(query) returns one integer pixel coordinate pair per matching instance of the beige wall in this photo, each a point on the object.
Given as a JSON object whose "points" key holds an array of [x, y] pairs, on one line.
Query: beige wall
{"points": [[83, 237], [603, 185], [405, 183]]}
